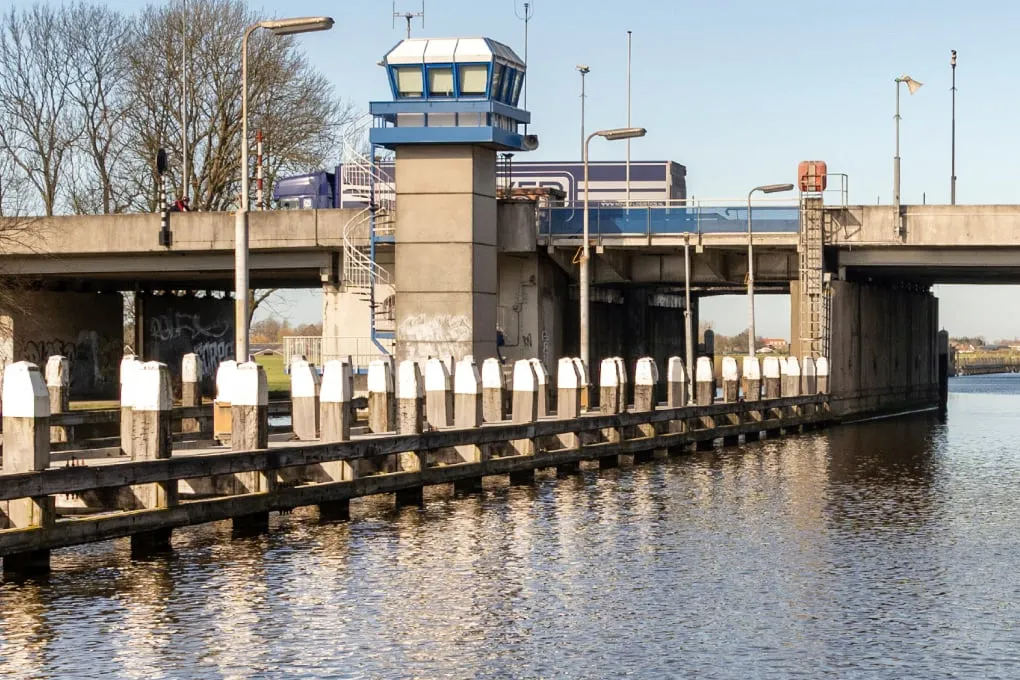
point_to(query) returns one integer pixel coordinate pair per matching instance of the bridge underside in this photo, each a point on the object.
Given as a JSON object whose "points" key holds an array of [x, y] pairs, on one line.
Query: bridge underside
{"points": [[927, 266]]}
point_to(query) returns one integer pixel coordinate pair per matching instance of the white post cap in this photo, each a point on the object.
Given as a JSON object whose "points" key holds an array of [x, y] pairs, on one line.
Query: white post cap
{"points": [[645, 373], [380, 376], [304, 380], [703, 370], [772, 367], [24, 392], [151, 388], [541, 375], [752, 368], [467, 379], [492, 374], [792, 367], [525, 379], [609, 373], [191, 368], [675, 370], [782, 365], [336, 382], [621, 366], [822, 366], [582, 371], [128, 365], [58, 371], [409, 381], [567, 377], [729, 369], [809, 367], [225, 380], [250, 387], [437, 376]]}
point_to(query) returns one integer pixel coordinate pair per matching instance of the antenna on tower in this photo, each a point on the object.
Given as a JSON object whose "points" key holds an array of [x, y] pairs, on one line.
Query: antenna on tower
{"points": [[529, 11], [409, 16]]}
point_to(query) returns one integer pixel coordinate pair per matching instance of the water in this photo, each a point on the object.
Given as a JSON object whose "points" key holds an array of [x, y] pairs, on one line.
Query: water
{"points": [[881, 550]]}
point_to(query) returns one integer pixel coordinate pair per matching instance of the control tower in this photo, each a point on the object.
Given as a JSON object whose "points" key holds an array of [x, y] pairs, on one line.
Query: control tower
{"points": [[454, 107]]}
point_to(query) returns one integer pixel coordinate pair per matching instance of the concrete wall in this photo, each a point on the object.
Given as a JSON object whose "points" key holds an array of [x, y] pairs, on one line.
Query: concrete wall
{"points": [[446, 251], [883, 348], [86, 328], [174, 326], [532, 305], [926, 225]]}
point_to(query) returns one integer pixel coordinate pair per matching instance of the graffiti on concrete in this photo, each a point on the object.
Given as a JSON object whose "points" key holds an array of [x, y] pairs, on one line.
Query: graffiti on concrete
{"points": [[93, 361], [175, 326], [212, 341]]}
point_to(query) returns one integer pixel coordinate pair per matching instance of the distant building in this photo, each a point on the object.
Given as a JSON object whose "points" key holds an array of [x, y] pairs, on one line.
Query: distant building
{"points": [[777, 344]]}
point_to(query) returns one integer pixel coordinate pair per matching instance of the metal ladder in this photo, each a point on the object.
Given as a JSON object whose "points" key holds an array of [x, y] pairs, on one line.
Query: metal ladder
{"points": [[814, 303]]}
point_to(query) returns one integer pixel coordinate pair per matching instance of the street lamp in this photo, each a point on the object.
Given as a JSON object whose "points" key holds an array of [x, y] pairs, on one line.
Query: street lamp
{"points": [[277, 27], [765, 189], [583, 70], [912, 86], [611, 135]]}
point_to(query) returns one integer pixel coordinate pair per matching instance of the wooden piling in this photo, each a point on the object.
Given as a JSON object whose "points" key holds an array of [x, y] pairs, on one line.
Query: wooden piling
{"points": [[304, 400]]}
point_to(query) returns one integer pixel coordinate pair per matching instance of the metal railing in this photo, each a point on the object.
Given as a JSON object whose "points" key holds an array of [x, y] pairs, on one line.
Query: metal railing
{"points": [[318, 350], [617, 219]]}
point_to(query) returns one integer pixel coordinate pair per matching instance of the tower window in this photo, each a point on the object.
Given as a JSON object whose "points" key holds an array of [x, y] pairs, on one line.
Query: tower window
{"points": [[440, 81], [473, 79], [409, 81]]}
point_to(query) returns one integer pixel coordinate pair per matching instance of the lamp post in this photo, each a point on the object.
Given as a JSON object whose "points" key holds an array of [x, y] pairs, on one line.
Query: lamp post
{"points": [[583, 70], [912, 86], [585, 292], [278, 27], [765, 189], [952, 171]]}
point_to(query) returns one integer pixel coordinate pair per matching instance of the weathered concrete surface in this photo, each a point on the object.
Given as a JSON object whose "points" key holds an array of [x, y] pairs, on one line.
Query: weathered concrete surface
{"points": [[883, 353], [178, 325], [87, 328], [447, 198]]}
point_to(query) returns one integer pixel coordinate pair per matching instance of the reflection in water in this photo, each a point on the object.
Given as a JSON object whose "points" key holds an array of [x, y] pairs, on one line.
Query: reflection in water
{"points": [[883, 549]]}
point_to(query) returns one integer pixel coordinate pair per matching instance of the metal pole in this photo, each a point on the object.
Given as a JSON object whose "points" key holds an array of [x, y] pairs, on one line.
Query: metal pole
{"points": [[896, 158], [583, 73], [241, 218], [750, 281], [526, 17], [688, 321], [628, 116], [952, 183], [184, 99], [585, 290], [258, 170]]}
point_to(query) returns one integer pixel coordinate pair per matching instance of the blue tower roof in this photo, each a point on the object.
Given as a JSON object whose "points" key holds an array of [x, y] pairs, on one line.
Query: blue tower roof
{"points": [[452, 91]]}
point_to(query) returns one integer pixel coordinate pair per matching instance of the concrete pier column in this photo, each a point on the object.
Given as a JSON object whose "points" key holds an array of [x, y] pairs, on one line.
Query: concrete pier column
{"points": [[438, 394], [304, 400], [381, 404], [336, 393], [676, 383], [772, 371], [822, 372], [704, 381], [809, 376], [609, 387], [542, 388], [222, 416], [191, 389], [410, 420], [152, 440], [468, 414], [621, 367], [128, 365], [646, 378], [493, 401], [751, 380], [524, 409], [58, 379], [791, 378], [249, 431], [730, 380], [26, 416]]}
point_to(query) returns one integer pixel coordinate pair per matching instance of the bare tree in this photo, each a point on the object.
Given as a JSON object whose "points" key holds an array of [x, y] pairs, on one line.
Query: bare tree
{"points": [[97, 38], [294, 105], [35, 109]]}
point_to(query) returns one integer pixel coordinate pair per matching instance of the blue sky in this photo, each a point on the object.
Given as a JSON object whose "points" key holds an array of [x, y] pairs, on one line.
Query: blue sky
{"points": [[740, 92]]}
